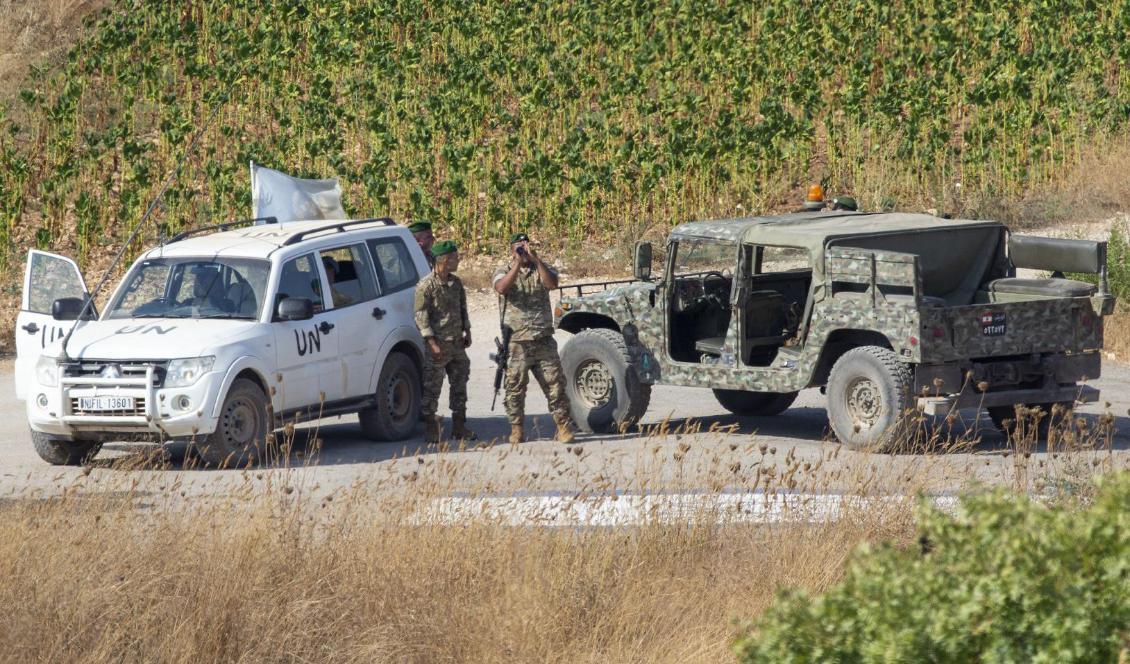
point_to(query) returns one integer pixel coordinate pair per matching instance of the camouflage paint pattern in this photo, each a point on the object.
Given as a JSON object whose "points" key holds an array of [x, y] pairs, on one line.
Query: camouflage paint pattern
{"points": [[455, 363], [527, 311], [441, 308], [918, 329], [540, 358]]}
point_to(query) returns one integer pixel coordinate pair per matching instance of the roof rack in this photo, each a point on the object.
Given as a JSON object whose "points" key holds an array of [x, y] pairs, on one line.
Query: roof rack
{"points": [[339, 227], [219, 227]]}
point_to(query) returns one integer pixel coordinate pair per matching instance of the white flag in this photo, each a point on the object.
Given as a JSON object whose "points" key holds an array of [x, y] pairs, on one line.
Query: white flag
{"points": [[276, 194]]}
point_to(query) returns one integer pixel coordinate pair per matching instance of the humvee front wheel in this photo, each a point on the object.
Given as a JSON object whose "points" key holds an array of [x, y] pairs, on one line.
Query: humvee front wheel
{"points": [[869, 398], [755, 404], [605, 393], [63, 451]]}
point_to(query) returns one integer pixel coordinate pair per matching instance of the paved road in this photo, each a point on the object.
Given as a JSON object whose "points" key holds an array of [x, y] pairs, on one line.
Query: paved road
{"points": [[695, 445]]}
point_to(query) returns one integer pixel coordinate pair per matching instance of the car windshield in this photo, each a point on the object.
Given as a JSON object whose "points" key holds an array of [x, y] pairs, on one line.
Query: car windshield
{"points": [[193, 288], [694, 256]]}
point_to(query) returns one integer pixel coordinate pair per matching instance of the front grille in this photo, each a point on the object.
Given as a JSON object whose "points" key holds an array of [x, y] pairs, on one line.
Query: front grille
{"points": [[138, 409], [129, 369]]}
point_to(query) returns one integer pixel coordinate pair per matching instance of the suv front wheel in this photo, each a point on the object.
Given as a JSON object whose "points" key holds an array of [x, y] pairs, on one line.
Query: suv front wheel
{"points": [[243, 428], [605, 393], [869, 398], [63, 451]]}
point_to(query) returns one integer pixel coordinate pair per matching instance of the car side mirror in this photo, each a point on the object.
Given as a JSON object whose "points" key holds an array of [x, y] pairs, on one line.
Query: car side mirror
{"points": [[69, 308], [643, 261], [296, 308]]}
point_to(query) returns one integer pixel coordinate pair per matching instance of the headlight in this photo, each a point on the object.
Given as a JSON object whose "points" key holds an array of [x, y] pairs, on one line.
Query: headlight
{"points": [[47, 371], [182, 373]]}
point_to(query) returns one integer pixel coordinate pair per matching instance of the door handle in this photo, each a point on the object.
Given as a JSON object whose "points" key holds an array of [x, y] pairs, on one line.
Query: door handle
{"points": [[325, 327], [378, 313], [31, 327]]}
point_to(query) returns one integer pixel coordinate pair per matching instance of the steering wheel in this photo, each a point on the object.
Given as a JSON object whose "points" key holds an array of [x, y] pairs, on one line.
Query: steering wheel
{"points": [[708, 295]]}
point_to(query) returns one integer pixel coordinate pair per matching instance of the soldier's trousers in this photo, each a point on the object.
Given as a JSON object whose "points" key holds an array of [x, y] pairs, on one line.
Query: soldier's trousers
{"points": [[457, 366], [540, 358]]}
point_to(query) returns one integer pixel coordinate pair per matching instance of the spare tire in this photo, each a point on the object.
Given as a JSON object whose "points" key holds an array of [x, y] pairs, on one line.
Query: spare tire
{"points": [[605, 392]]}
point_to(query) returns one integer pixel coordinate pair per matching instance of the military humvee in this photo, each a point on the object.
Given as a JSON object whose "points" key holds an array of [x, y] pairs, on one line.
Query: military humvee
{"points": [[888, 314]]}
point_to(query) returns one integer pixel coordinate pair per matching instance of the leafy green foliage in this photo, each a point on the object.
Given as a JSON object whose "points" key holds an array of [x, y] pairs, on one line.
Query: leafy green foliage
{"points": [[1117, 264], [1003, 580], [576, 117]]}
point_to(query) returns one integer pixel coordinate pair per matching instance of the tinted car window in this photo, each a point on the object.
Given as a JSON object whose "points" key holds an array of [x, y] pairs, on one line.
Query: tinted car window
{"points": [[300, 279], [395, 266], [350, 272]]}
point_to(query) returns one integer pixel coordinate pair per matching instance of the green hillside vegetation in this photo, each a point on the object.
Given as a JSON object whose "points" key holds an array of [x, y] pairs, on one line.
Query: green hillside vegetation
{"points": [[578, 117]]}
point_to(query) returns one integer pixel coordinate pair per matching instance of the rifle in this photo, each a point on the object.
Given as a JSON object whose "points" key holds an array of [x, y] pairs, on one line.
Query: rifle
{"points": [[500, 359]]}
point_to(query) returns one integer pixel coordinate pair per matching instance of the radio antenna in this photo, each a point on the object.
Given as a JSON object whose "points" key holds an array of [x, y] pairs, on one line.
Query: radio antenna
{"points": [[176, 171]]}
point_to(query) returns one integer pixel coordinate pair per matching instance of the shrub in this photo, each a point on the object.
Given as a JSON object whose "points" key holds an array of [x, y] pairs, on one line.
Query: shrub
{"points": [[1004, 579]]}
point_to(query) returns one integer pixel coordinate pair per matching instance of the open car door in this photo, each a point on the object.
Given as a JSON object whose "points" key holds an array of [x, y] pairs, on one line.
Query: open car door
{"points": [[47, 278]]}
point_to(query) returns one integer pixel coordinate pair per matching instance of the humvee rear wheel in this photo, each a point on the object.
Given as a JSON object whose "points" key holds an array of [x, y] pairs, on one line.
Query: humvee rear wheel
{"points": [[398, 401], [63, 451], [869, 398], [241, 433], [755, 404], [1024, 422], [605, 393]]}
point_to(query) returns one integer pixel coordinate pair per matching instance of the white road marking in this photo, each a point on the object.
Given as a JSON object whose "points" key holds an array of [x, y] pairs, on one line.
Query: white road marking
{"points": [[635, 509]]}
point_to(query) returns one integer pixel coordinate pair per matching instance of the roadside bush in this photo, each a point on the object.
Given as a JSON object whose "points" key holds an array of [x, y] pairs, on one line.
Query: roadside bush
{"points": [[1004, 579], [1118, 269]]}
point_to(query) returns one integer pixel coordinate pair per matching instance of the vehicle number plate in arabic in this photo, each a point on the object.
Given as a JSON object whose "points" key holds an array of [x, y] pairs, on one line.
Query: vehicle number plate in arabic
{"points": [[105, 403]]}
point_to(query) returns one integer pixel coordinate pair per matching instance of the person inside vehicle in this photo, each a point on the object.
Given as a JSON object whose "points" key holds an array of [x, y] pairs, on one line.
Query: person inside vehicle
{"points": [[206, 289], [340, 299]]}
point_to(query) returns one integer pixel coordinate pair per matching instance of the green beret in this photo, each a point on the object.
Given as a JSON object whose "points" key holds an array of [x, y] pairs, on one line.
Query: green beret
{"points": [[444, 247], [519, 237], [417, 226]]}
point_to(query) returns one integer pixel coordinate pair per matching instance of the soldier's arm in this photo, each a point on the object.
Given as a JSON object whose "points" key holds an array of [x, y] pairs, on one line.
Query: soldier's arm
{"points": [[547, 274], [423, 321], [504, 279], [463, 310]]}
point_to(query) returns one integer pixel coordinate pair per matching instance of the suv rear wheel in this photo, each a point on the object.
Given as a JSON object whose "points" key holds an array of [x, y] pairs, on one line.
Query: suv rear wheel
{"points": [[63, 451], [869, 398], [605, 393], [755, 404], [398, 401], [242, 431]]}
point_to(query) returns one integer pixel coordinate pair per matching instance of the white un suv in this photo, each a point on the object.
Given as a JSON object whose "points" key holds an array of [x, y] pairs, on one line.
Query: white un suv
{"points": [[221, 335]]}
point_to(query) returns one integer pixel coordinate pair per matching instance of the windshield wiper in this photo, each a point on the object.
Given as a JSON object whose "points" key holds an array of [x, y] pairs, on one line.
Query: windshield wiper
{"points": [[228, 316]]}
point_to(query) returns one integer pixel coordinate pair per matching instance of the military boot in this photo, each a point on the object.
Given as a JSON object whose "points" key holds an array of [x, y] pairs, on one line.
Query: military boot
{"points": [[459, 430], [564, 429], [431, 429], [517, 434]]}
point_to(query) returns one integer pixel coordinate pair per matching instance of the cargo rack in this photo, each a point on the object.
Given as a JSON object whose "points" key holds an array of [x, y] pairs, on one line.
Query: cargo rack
{"points": [[215, 228], [339, 227]]}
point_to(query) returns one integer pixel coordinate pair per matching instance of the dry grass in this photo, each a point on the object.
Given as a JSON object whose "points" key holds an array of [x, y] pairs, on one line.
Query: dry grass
{"points": [[98, 580], [1116, 334], [115, 570]]}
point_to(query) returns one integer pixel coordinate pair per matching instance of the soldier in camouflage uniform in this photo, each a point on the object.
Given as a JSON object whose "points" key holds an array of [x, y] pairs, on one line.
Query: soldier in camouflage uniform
{"points": [[524, 285], [422, 232], [441, 315]]}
